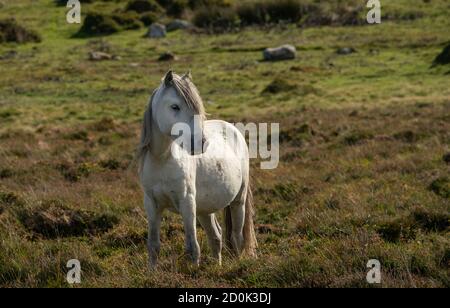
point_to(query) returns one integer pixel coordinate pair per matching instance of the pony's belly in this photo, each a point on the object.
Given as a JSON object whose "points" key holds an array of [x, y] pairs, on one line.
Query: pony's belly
{"points": [[218, 184], [214, 200]]}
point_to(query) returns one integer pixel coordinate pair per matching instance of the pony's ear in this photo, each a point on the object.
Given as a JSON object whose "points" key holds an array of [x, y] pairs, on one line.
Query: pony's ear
{"points": [[169, 78], [188, 75]]}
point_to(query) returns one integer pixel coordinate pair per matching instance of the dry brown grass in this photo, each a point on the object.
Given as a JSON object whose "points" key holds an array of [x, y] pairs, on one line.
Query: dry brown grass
{"points": [[351, 186]]}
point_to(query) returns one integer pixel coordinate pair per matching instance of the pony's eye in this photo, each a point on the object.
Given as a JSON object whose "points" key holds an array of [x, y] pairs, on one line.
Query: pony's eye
{"points": [[175, 107]]}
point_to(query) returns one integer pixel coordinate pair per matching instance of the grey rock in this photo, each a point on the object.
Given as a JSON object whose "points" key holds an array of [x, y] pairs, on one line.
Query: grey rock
{"points": [[178, 24], [157, 30], [285, 52]]}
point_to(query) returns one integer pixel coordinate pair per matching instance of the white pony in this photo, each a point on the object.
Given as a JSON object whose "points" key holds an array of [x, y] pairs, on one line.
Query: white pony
{"points": [[194, 182]]}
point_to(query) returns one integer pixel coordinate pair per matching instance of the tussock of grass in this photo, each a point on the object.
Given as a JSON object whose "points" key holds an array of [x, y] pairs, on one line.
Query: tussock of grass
{"points": [[9, 199], [405, 229], [357, 137], [446, 158], [6, 173], [441, 187], [53, 219], [279, 86], [444, 57], [104, 125], [12, 32], [110, 164]]}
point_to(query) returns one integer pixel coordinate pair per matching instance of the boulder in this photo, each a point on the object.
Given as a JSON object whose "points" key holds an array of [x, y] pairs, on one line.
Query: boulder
{"points": [[157, 30], [285, 52], [178, 24]]}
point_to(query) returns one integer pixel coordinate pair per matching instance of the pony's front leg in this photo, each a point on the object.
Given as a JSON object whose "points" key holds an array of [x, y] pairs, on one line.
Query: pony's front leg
{"points": [[188, 211], [154, 227]]}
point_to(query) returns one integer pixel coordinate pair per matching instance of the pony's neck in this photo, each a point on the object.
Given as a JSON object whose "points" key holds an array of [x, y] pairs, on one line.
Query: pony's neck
{"points": [[160, 143]]}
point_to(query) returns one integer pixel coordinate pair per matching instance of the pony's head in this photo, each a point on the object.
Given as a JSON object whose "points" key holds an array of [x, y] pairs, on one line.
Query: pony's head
{"points": [[174, 105]]}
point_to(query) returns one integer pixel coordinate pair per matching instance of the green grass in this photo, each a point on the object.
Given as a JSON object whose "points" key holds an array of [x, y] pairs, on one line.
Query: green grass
{"points": [[362, 173]]}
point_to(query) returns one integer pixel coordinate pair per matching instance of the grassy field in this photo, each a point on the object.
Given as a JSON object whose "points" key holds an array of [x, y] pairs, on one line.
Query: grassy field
{"points": [[365, 151]]}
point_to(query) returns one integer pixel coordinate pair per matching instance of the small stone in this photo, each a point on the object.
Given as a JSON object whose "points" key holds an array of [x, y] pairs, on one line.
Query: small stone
{"points": [[345, 51], [100, 56], [285, 52]]}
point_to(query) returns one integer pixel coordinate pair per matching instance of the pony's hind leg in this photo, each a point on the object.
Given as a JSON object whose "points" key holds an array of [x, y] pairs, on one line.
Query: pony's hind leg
{"points": [[237, 229], [214, 234]]}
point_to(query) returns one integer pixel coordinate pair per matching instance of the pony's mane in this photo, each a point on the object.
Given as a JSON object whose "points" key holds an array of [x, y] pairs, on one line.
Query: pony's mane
{"points": [[189, 92]]}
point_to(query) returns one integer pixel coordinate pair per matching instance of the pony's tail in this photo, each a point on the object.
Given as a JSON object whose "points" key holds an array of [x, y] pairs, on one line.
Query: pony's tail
{"points": [[250, 242]]}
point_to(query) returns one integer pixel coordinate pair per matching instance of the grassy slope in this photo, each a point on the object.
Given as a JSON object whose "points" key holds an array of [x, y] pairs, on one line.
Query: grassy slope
{"points": [[346, 183]]}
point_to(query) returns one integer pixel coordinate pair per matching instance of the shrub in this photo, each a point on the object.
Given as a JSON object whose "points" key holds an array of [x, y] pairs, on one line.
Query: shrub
{"points": [[177, 8], [149, 18], [98, 24], [195, 4], [334, 13], [284, 10], [272, 11], [216, 18], [252, 14], [64, 2], [142, 6], [128, 21]]}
